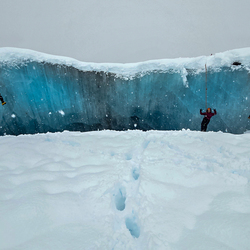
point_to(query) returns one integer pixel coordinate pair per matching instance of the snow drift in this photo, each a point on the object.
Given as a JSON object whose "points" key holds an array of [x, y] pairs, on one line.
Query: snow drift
{"points": [[49, 93], [162, 190]]}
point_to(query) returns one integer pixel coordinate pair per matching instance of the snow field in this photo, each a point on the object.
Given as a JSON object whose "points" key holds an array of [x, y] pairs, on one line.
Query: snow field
{"points": [[125, 190]]}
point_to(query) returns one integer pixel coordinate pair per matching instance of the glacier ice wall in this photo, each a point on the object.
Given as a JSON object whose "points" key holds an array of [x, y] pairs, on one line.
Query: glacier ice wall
{"points": [[48, 93]]}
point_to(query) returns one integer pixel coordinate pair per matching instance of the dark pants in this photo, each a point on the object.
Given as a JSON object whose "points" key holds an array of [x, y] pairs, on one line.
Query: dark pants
{"points": [[204, 124], [1, 99]]}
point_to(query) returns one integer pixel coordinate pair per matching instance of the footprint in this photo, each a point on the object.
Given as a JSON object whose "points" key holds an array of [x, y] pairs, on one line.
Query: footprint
{"points": [[128, 156], [120, 198], [145, 144], [136, 173], [132, 226]]}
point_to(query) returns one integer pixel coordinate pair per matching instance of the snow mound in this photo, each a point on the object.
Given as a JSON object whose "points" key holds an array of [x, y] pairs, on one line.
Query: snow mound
{"points": [[125, 190]]}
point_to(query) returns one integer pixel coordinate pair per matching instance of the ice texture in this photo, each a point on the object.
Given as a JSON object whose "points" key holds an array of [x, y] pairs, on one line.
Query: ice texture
{"points": [[50, 93]]}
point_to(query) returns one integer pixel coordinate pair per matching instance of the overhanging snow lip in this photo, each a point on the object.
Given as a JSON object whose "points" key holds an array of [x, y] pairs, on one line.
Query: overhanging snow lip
{"points": [[14, 56]]}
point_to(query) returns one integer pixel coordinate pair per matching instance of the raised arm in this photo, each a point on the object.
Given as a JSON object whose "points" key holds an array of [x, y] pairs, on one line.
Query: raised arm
{"points": [[202, 112]]}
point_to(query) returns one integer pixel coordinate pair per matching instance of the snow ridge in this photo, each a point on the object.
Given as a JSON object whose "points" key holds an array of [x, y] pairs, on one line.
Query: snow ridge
{"points": [[14, 57]]}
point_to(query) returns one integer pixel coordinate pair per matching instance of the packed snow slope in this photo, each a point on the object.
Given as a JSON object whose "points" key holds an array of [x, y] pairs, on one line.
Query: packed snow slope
{"points": [[169, 190], [48, 93]]}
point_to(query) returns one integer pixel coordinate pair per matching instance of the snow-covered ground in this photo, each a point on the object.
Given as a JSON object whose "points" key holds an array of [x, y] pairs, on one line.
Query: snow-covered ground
{"points": [[125, 190]]}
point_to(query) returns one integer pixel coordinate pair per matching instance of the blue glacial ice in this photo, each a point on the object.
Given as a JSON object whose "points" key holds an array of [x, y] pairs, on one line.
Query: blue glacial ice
{"points": [[50, 93]]}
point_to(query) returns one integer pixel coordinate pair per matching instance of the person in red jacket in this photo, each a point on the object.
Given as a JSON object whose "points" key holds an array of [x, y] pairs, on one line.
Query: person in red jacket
{"points": [[207, 116]]}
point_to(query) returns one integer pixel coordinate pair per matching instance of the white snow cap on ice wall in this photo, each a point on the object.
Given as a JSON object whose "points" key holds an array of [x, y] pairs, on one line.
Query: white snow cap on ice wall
{"points": [[227, 58]]}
